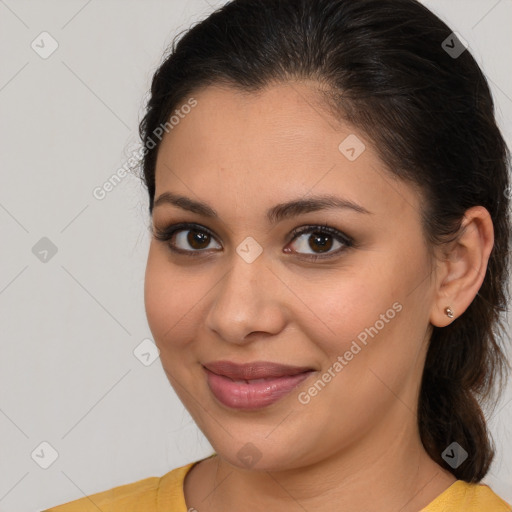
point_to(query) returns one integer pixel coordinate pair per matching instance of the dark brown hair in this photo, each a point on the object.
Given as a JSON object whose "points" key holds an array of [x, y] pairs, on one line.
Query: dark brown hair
{"points": [[429, 114]]}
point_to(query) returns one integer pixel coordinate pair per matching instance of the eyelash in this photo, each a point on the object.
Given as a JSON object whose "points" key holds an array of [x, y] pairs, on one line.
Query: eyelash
{"points": [[168, 232]]}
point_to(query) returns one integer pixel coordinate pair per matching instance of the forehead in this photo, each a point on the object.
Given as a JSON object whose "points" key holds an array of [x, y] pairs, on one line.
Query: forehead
{"points": [[286, 114], [275, 144]]}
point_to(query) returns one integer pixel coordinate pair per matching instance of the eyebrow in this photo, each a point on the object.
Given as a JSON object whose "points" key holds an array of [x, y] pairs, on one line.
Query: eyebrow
{"points": [[275, 214]]}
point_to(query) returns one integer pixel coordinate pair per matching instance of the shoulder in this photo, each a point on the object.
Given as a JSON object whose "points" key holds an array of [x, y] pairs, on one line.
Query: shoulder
{"points": [[150, 494], [482, 497], [465, 497], [126, 497]]}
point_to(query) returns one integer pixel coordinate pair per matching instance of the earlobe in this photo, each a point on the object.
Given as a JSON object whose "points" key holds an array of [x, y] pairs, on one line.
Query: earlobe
{"points": [[443, 316], [464, 267]]}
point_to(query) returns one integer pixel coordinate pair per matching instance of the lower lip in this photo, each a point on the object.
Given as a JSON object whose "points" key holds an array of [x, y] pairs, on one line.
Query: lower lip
{"points": [[252, 395]]}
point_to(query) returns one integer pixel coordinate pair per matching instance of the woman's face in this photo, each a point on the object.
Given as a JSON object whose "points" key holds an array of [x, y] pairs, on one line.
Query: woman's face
{"points": [[244, 288]]}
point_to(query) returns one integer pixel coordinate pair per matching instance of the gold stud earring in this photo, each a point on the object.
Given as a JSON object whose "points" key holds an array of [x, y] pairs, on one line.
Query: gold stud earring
{"points": [[448, 312]]}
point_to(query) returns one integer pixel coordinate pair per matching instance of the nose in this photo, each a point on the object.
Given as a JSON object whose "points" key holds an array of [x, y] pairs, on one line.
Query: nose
{"points": [[249, 302]]}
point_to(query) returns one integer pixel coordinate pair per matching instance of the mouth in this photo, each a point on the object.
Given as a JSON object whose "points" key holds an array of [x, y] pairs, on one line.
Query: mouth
{"points": [[253, 385], [254, 370]]}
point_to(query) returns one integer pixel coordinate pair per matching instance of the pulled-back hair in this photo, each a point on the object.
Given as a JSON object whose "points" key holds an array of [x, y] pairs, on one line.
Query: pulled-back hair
{"points": [[430, 115]]}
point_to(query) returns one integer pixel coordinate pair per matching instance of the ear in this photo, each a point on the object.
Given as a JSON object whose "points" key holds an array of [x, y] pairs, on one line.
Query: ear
{"points": [[460, 273]]}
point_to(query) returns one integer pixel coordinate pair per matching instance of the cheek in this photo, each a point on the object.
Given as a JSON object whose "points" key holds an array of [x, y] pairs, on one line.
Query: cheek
{"points": [[171, 298], [367, 319], [379, 329], [341, 307]]}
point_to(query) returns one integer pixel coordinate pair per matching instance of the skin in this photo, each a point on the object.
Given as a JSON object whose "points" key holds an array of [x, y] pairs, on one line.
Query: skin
{"points": [[357, 441]]}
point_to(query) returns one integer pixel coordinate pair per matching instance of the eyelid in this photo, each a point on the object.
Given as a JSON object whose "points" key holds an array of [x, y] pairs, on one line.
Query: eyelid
{"points": [[165, 234], [346, 241], [321, 228]]}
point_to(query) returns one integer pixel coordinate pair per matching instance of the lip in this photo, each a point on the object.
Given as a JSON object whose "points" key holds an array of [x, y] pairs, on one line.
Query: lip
{"points": [[254, 370], [253, 385]]}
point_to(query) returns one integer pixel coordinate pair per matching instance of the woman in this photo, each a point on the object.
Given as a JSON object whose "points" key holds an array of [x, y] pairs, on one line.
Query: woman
{"points": [[329, 260]]}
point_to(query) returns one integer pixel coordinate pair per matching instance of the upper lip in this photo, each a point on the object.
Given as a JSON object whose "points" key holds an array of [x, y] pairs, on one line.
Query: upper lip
{"points": [[254, 370]]}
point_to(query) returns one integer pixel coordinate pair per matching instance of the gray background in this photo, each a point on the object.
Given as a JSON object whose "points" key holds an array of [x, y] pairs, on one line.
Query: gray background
{"points": [[70, 324]]}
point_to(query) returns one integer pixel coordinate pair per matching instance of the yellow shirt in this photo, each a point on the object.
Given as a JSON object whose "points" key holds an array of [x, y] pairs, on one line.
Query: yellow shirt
{"points": [[165, 494]]}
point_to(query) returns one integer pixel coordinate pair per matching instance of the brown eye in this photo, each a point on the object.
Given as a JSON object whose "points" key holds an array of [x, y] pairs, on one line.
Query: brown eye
{"points": [[319, 240], [185, 238], [197, 239], [193, 239]]}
